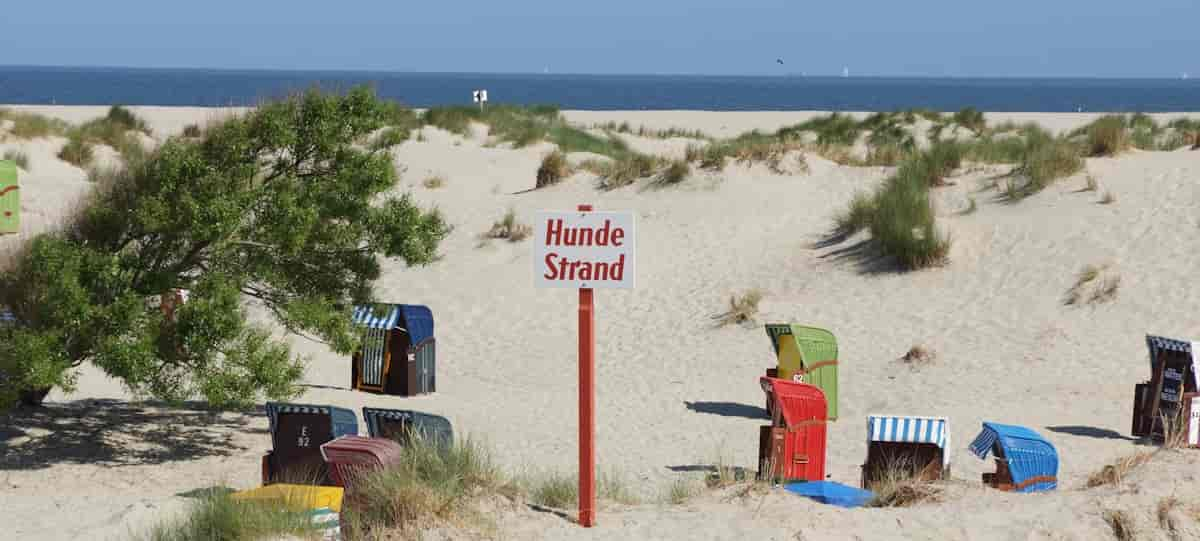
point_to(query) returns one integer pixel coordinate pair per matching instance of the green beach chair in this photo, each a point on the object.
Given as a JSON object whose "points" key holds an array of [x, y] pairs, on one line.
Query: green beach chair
{"points": [[808, 355], [10, 199]]}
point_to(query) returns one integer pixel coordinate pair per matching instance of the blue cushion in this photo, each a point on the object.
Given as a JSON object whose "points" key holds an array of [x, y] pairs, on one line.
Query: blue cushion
{"points": [[832, 493]]}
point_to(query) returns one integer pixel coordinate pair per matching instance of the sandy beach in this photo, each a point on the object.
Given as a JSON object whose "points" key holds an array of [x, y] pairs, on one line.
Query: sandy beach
{"points": [[674, 394]]}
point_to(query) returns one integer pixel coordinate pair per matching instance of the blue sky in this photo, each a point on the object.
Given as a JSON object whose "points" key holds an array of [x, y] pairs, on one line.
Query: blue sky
{"points": [[1097, 38]]}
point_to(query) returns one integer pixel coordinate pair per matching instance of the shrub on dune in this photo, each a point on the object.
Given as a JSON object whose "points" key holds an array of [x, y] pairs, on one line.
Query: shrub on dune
{"points": [[553, 169], [77, 152], [1107, 136], [971, 119], [676, 172], [17, 157]]}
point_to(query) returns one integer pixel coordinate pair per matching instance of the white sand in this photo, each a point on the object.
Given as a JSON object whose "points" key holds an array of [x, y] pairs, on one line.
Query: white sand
{"points": [[1008, 349]]}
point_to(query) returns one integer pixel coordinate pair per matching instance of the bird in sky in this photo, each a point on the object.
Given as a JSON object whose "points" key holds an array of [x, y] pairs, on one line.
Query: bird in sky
{"points": [[780, 60]]}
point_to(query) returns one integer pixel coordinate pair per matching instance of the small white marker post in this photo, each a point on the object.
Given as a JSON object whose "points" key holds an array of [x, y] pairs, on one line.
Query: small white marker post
{"points": [[480, 97]]}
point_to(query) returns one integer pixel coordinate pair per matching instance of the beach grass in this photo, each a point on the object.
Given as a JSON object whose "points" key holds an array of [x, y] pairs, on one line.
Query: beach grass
{"points": [[903, 223], [217, 515], [833, 129], [1044, 161], [32, 125], [898, 487], [674, 173], [17, 157], [742, 309], [434, 182], [508, 228], [1107, 136], [388, 138], [626, 170], [1116, 472], [1122, 523], [192, 130], [77, 152], [430, 486], [553, 169]]}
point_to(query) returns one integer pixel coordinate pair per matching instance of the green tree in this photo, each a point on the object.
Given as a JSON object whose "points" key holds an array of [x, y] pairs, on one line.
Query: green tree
{"points": [[281, 207]]}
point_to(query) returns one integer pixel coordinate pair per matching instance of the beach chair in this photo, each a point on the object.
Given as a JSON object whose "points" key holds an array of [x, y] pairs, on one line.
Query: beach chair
{"points": [[1025, 461], [350, 457], [297, 432], [402, 425], [914, 445], [399, 352], [792, 447], [806, 355]]}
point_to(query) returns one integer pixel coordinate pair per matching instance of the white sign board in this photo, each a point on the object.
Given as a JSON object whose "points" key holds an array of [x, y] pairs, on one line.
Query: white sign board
{"points": [[584, 250], [479, 96], [1194, 423]]}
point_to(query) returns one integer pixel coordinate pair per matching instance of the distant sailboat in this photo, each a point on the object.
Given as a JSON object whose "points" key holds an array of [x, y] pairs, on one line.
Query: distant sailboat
{"points": [[845, 72], [546, 69], [1185, 76]]}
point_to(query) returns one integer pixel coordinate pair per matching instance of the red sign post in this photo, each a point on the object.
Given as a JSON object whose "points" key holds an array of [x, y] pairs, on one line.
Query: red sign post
{"points": [[585, 250], [587, 401]]}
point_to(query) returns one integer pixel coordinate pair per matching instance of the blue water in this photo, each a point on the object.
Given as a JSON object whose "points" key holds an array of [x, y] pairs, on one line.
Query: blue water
{"points": [[105, 86]]}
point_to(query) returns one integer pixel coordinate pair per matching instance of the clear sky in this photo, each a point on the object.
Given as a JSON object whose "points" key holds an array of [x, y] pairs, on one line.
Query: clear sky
{"points": [[1090, 38]]}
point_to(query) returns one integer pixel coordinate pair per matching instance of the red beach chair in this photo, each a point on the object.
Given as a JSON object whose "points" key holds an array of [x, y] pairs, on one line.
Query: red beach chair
{"points": [[349, 457]]}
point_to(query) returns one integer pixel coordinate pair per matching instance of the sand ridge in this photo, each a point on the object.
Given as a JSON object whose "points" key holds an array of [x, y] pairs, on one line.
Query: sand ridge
{"points": [[673, 393]]}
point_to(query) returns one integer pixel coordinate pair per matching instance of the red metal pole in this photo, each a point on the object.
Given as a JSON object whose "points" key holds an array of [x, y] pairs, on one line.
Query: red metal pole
{"points": [[587, 402]]}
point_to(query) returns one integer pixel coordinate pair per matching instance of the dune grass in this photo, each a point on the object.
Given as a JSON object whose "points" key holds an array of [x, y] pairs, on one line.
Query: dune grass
{"points": [[971, 119], [904, 224], [434, 182], [742, 309], [643, 131], [388, 138], [523, 126], [1116, 472], [509, 228], [833, 129], [900, 215], [32, 125], [1094, 284], [1107, 136], [857, 215], [1043, 161], [77, 152], [217, 515], [919, 355], [898, 487], [192, 131], [17, 157], [554, 169], [1122, 523], [626, 170], [429, 486], [751, 147], [679, 491], [674, 173]]}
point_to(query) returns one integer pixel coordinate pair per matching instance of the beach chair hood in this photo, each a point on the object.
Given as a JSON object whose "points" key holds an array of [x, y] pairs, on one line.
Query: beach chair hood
{"points": [[1032, 461], [911, 429]]}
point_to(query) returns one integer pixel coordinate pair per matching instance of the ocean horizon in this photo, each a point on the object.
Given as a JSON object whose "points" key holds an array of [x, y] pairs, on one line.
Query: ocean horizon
{"points": [[208, 87]]}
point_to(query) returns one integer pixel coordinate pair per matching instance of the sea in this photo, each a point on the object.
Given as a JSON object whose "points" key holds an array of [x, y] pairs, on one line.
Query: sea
{"points": [[207, 87]]}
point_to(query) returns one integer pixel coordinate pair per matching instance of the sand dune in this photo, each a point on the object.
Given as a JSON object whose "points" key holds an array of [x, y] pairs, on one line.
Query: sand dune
{"points": [[674, 392]]}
